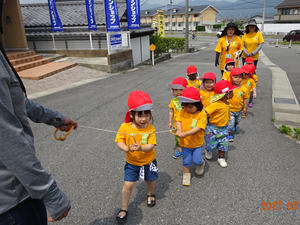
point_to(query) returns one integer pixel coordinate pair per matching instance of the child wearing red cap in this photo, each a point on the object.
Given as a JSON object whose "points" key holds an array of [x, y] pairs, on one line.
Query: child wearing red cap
{"points": [[136, 137], [229, 65], [190, 123], [250, 61], [216, 132], [192, 77], [237, 102], [207, 88], [249, 83], [177, 86]]}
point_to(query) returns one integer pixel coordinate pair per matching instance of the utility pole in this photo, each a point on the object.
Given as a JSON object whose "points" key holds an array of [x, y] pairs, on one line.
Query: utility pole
{"points": [[263, 19], [171, 19], [187, 25]]}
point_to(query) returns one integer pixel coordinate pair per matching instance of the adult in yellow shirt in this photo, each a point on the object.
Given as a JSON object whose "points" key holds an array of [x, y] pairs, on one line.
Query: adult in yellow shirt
{"points": [[229, 46], [252, 42]]}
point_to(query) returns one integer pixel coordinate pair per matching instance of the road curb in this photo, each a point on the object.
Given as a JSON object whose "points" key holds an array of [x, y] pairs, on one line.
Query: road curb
{"points": [[285, 106]]}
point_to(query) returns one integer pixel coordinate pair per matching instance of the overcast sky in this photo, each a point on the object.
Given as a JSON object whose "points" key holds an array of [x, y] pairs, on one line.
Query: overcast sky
{"points": [[163, 2]]}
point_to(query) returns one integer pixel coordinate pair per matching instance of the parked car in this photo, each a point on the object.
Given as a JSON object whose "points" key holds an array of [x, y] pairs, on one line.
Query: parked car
{"points": [[293, 35], [219, 33]]}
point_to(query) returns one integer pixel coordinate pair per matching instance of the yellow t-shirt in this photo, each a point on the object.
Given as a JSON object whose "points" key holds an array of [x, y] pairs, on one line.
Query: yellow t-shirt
{"points": [[137, 158], [188, 122], [219, 113], [235, 45], [251, 42], [196, 83], [248, 84], [206, 97], [172, 106], [255, 80], [237, 102], [226, 76]]}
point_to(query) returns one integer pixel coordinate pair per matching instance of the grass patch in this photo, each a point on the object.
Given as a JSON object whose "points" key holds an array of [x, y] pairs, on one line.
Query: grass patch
{"points": [[285, 129]]}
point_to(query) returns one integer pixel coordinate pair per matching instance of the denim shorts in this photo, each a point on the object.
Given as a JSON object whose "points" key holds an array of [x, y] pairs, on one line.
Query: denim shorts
{"points": [[192, 155], [235, 118], [132, 172]]}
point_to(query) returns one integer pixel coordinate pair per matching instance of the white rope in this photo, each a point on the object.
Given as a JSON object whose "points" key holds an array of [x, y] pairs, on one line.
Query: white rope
{"points": [[116, 132]]}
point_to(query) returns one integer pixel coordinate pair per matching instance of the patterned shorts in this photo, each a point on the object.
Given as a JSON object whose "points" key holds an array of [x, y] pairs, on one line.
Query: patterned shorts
{"points": [[216, 138]]}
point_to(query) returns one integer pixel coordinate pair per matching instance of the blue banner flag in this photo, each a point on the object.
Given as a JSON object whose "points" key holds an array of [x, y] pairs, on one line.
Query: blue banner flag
{"points": [[133, 14], [54, 18], [90, 14], [112, 15]]}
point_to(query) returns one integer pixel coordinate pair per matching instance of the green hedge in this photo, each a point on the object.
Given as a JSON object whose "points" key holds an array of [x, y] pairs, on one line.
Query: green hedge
{"points": [[200, 28], [174, 43], [217, 26], [167, 43]]}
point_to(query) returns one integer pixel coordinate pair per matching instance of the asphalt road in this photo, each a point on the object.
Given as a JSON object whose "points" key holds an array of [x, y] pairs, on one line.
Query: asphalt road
{"points": [[287, 59], [262, 163]]}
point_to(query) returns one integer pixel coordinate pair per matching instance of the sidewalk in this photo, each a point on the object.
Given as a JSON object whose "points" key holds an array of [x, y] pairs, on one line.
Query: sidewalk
{"points": [[61, 80]]}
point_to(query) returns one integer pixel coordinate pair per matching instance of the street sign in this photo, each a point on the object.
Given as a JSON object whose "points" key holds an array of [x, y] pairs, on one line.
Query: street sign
{"points": [[152, 47]]}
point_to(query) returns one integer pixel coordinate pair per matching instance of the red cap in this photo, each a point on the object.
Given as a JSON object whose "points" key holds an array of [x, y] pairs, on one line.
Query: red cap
{"points": [[230, 60], [209, 76], [223, 86], [190, 95], [248, 69], [249, 60], [191, 69], [179, 83], [236, 71], [138, 101]]}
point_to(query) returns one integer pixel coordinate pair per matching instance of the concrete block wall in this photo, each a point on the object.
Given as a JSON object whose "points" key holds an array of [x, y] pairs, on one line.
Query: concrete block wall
{"points": [[119, 57]]}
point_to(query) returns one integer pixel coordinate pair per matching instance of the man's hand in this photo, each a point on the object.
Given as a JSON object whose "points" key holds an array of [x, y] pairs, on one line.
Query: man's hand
{"points": [[68, 124], [65, 214]]}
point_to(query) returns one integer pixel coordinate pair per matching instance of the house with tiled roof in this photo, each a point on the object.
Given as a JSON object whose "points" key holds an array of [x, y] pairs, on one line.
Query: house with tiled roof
{"points": [[198, 15], [32, 24], [288, 12]]}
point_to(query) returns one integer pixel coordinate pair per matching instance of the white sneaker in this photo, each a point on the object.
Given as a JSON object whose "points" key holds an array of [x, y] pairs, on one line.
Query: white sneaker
{"points": [[186, 181], [222, 162], [200, 169], [208, 155]]}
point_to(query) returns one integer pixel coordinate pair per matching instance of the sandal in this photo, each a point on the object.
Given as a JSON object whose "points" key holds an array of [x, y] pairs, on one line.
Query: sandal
{"points": [[153, 202], [121, 219], [244, 115]]}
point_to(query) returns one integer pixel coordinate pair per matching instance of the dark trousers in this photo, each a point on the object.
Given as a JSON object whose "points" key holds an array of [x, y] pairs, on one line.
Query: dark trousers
{"points": [[29, 212], [251, 97]]}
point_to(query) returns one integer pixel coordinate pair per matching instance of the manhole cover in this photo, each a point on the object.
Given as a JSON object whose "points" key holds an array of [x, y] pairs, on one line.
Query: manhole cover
{"points": [[285, 100]]}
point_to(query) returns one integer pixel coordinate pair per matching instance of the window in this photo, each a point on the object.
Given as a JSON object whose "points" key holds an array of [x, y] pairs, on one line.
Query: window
{"points": [[298, 32], [288, 11], [166, 17], [173, 16], [173, 24], [196, 15], [151, 17], [180, 16]]}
